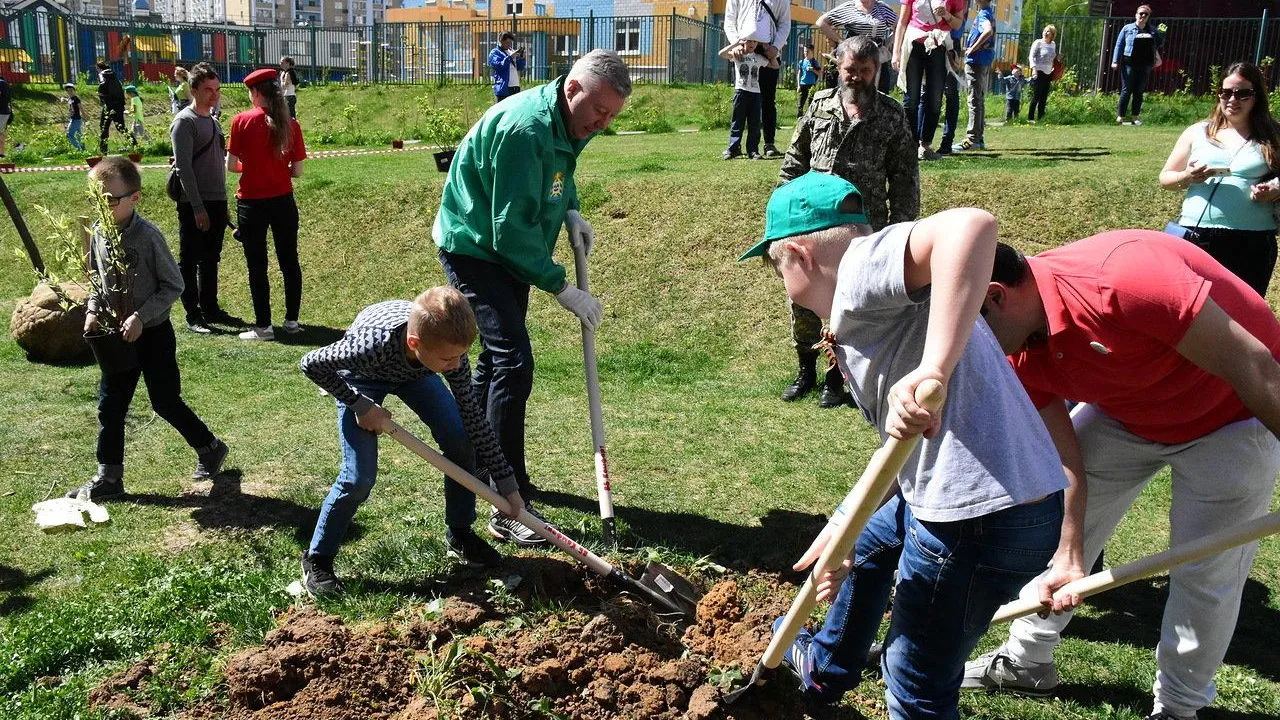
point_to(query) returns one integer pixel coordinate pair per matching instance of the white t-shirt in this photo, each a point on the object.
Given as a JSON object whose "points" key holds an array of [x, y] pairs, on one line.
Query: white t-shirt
{"points": [[992, 451], [748, 72], [513, 75]]}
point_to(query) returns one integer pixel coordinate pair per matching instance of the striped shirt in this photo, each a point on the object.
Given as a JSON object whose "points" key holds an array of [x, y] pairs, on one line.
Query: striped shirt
{"points": [[374, 349], [877, 24]]}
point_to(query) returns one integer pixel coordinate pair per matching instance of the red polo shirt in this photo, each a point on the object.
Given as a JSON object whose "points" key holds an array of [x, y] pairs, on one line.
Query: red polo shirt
{"points": [[266, 173], [1117, 306]]}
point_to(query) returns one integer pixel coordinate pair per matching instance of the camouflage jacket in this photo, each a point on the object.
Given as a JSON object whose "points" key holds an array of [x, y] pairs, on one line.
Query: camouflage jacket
{"points": [[876, 153]]}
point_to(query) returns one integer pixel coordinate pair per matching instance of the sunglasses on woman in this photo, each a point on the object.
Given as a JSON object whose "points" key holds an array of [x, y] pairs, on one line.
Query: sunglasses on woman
{"points": [[1237, 93]]}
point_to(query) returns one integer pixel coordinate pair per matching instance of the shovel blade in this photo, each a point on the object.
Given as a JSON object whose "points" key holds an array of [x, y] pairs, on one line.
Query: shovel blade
{"points": [[682, 594], [757, 678]]}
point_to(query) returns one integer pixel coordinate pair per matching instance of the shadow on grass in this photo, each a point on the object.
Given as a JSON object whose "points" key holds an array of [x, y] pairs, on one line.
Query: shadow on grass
{"points": [[1131, 615], [310, 335], [782, 537], [12, 583]]}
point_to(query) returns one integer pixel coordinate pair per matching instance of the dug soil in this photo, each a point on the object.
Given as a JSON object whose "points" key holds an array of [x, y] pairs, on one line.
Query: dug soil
{"points": [[561, 644]]}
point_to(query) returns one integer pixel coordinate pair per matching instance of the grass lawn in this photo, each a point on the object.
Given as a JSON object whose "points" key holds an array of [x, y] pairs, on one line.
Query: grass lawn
{"points": [[693, 353]]}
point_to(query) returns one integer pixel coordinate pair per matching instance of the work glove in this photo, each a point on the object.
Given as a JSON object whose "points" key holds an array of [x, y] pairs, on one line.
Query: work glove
{"points": [[580, 303], [581, 235]]}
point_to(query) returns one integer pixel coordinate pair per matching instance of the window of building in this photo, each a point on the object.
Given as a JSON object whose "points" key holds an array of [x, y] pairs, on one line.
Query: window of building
{"points": [[284, 47], [626, 36], [564, 44], [335, 50], [206, 44], [515, 7]]}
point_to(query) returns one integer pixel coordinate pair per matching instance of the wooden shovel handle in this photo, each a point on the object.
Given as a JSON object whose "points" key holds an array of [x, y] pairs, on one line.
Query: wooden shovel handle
{"points": [[1155, 564], [881, 472]]}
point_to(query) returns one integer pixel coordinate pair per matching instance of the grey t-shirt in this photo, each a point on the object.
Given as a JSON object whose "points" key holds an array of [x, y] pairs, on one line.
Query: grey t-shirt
{"points": [[205, 178], [992, 451]]}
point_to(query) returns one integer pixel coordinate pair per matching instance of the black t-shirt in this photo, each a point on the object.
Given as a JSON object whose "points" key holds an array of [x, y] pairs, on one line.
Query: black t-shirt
{"points": [[293, 77], [1144, 48], [75, 107]]}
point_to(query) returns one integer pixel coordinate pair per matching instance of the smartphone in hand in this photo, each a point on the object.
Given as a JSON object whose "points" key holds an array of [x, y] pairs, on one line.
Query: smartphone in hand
{"points": [[1218, 171]]}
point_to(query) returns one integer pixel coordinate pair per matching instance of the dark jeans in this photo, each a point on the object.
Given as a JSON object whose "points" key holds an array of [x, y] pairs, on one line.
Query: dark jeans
{"points": [[746, 110], [926, 75], [506, 93], [886, 79], [952, 578], [199, 252], [1039, 95], [1133, 83], [769, 103], [1012, 108], [431, 401], [804, 92], [504, 370], [112, 116], [280, 216], [1249, 254], [292, 101], [158, 367], [951, 111]]}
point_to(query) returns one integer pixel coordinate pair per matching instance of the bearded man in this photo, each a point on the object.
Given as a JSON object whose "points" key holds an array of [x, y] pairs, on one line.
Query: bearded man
{"points": [[862, 135]]}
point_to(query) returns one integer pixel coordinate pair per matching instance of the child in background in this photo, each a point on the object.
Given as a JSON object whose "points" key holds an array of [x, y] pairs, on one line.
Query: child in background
{"points": [[155, 283], [807, 73], [1013, 84], [139, 130], [747, 100], [74, 119]]}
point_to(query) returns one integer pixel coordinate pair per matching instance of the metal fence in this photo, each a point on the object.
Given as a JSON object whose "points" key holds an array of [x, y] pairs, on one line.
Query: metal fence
{"points": [[47, 46]]}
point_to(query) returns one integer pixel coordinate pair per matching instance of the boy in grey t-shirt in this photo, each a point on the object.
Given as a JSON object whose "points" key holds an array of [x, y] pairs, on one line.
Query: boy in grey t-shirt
{"points": [[979, 507]]}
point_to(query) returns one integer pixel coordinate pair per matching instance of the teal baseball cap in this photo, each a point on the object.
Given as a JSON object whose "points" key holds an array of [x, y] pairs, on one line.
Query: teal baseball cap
{"points": [[814, 201]]}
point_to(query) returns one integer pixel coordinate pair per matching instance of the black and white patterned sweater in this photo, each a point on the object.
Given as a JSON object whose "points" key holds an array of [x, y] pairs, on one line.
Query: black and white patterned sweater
{"points": [[374, 349]]}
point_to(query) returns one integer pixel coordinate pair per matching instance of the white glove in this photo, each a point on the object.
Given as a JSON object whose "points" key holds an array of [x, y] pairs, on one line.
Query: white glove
{"points": [[581, 235], [580, 303]]}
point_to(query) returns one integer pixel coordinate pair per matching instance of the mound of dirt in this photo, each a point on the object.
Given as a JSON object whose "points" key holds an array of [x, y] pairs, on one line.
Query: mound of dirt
{"points": [[617, 659]]}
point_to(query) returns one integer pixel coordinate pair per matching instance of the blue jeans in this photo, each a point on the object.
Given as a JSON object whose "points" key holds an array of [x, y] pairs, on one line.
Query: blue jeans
{"points": [[431, 401], [746, 111], [73, 133], [926, 74], [952, 578], [504, 369], [1133, 83]]}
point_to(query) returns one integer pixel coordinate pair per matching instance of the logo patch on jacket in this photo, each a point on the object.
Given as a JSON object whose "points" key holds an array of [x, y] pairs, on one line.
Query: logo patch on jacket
{"points": [[557, 187]]}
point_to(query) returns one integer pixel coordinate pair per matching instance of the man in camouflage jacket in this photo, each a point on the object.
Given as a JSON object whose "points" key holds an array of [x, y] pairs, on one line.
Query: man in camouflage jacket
{"points": [[861, 135]]}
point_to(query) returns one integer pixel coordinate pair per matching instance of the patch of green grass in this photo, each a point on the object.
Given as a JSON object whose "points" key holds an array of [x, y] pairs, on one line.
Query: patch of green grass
{"points": [[708, 465]]}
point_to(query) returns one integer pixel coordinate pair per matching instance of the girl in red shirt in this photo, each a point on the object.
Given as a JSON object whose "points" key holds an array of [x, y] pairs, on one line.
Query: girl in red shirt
{"points": [[267, 149]]}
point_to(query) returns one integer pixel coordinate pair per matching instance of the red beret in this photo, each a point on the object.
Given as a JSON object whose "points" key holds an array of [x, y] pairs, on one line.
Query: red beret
{"points": [[258, 77]]}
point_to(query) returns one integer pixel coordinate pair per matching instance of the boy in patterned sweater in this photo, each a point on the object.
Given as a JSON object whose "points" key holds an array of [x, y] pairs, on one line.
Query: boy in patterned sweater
{"points": [[402, 348]]}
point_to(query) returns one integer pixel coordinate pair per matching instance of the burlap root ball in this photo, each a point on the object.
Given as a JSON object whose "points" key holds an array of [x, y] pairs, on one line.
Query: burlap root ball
{"points": [[48, 332]]}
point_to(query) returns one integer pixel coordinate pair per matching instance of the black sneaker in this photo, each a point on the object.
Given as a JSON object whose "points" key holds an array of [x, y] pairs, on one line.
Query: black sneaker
{"points": [[731, 154], [755, 156], [471, 549], [505, 528], [209, 463], [222, 317], [771, 152], [318, 577], [98, 488]]}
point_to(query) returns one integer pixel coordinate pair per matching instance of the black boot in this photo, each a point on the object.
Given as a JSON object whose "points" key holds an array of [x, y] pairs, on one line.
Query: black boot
{"points": [[833, 392], [806, 378]]}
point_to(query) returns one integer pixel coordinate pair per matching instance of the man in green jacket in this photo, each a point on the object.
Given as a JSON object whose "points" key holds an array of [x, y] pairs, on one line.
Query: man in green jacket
{"points": [[508, 191]]}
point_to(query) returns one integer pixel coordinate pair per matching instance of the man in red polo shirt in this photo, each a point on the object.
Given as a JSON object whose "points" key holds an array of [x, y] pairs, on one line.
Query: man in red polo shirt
{"points": [[1176, 361]]}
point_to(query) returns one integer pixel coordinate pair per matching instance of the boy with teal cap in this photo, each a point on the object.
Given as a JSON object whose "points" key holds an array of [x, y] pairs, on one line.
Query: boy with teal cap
{"points": [[979, 504]]}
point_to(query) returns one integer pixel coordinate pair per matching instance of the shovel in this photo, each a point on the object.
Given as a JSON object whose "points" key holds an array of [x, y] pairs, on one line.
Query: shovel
{"points": [[660, 585], [604, 488], [880, 474], [1155, 564]]}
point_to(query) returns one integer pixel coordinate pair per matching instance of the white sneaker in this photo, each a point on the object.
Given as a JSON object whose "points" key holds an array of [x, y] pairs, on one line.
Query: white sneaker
{"points": [[291, 327], [258, 333], [999, 670], [1136, 121]]}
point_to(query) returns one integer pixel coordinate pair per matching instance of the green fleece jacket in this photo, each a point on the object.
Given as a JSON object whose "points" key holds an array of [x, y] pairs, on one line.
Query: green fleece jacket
{"points": [[510, 185]]}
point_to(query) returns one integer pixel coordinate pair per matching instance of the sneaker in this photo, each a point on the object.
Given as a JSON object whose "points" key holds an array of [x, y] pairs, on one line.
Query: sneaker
{"points": [[199, 327], [797, 658], [258, 333], [944, 149], [771, 152], [961, 146], [292, 327], [471, 549], [998, 670], [926, 153], [731, 154], [505, 528], [98, 488], [1136, 121], [222, 317], [754, 156], [209, 463], [318, 577], [1162, 715]]}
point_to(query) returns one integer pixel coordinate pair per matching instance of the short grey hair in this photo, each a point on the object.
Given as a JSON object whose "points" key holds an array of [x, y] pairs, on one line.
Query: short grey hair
{"points": [[860, 47], [605, 65]]}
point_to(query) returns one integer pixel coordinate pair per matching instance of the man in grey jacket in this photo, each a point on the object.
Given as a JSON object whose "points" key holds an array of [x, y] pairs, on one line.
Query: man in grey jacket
{"points": [[200, 158]]}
